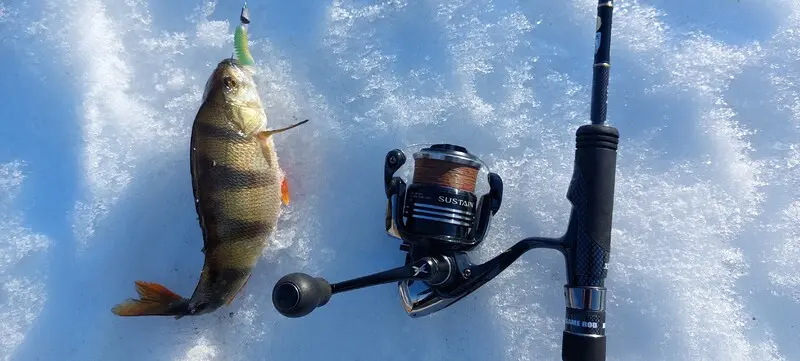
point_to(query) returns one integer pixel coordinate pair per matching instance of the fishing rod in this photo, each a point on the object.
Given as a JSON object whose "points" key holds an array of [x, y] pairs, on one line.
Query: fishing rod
{"points": [[440, 219]]}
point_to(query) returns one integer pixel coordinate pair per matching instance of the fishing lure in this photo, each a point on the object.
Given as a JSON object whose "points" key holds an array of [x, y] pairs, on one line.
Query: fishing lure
{"points": [[241, 46]]}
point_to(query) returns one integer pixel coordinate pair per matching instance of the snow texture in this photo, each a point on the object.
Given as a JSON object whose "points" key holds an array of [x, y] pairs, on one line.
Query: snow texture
{"points": [[95, 190]]}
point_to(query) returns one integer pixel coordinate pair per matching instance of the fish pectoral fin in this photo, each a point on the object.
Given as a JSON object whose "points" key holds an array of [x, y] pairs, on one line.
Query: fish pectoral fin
{"points": [[154, 300], [264, 134], [285, 191]]}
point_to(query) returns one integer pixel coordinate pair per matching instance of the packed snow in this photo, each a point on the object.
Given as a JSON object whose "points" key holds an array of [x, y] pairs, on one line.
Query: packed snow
{"points": [[95, 192]]}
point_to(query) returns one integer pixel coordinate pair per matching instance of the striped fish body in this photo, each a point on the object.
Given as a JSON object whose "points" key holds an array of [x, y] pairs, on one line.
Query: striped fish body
{"points": [[238, 188]]}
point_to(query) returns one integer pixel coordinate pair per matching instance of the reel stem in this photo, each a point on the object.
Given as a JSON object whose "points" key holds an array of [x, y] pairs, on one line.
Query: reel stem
{"points": [[490, 269]]}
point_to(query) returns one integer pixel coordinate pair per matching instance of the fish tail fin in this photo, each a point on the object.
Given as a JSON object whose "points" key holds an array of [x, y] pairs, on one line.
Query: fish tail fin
{"points": [[154, 300]]}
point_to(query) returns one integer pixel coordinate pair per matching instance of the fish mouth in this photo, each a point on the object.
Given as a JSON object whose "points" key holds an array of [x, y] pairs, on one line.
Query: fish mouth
{"points": [[233, 64], [228, 63]]}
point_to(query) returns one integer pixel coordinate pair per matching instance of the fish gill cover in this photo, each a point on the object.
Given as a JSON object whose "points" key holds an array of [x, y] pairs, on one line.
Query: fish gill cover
{"points": [[100, 95]]}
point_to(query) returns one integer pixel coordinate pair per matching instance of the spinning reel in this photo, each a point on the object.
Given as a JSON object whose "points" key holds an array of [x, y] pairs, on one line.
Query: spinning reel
{"points": [[440, 219]]}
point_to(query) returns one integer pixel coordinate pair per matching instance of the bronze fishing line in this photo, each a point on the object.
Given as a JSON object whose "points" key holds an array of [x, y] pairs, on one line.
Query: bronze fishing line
{"points": [[445, 173]]}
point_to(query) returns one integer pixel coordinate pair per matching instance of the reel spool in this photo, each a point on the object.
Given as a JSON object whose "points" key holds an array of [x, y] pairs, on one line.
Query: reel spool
{"points": [[440, 210]]}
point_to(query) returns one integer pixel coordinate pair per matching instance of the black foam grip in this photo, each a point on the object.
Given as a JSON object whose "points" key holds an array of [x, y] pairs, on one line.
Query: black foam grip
{"points": [[591, 193], [583, 348]]}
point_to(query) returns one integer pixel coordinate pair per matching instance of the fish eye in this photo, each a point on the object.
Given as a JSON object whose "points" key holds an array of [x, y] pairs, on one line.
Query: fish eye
{"points": [[229, 82]]}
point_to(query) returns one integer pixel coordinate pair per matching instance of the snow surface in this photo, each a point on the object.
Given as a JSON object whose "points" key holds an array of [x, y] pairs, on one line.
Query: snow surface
{"points": [[98, 99]]}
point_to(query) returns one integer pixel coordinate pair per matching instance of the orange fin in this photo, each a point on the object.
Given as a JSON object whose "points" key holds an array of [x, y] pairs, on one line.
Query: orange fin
{"points": [[239, 291], [155, 300], [285, 192]]}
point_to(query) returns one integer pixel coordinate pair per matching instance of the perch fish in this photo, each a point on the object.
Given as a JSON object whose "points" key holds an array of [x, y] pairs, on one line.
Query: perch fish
{"points": [[238, 187]]}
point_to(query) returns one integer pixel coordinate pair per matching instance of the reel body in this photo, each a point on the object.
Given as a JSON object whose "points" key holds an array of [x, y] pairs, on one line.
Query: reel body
{"points": [[439, 219]]}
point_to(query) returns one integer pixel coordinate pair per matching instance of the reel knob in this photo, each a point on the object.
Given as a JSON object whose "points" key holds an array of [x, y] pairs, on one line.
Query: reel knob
{"points": [[297, 294]]}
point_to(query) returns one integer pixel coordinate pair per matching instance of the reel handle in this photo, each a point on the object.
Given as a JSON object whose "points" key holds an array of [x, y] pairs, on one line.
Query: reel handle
{"points": [[297, 294]]}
